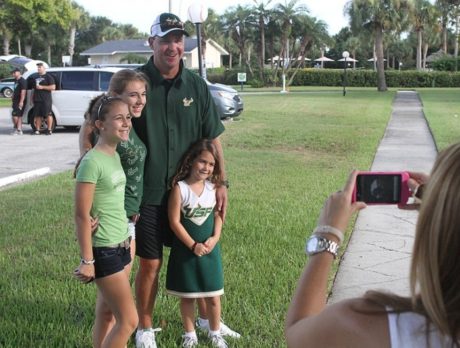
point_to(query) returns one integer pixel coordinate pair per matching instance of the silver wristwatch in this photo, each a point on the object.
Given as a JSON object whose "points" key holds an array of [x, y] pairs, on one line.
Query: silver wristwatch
{"points": [[317, 244]]}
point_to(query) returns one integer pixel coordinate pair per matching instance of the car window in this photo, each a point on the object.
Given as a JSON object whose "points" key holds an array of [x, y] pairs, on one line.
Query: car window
{"points": [[57, 79], [78, 80], [104, 80]]}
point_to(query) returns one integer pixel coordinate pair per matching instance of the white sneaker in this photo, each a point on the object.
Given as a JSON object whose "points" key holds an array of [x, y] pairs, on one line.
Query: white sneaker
{"points": [[218, 341], [146, 338], [189, 341], [19, 132], [203, 324]]}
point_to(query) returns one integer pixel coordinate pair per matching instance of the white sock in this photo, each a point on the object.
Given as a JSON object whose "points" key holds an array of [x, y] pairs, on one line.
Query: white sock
{"points": [[191, 334], [203, 322], [214, 333]]}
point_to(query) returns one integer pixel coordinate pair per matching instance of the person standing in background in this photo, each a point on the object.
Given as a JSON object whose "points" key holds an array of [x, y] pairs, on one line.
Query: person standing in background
{"points": [[18, 100], [44, 84]]}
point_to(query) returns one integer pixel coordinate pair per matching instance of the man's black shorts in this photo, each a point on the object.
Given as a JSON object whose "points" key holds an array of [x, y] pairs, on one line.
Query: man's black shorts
{"points": [[152, 232], [42, 109], [17, 112]]}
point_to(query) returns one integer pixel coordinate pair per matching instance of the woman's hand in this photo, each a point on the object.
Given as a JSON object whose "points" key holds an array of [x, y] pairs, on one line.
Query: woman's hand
{"points": [[85, 273], [338, 208], [415, 182]]}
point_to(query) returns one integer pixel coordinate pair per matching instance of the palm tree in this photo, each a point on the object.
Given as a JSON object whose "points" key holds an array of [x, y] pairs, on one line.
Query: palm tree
{"points": [[307, 31], [285, 14], [423, 15], [444, 7], [377, 16], [262, 14], [237, 24], [353, 44]]}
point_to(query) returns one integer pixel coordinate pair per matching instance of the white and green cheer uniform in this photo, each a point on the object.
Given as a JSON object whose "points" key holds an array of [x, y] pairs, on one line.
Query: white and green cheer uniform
{"points": [[188, 275]]}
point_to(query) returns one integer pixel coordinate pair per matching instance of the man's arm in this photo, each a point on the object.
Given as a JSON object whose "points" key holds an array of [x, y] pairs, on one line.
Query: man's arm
{"points": [[221, 191]]}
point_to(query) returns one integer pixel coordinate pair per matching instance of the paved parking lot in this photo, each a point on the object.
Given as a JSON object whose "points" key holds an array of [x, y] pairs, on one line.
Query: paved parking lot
{"points": [[28, 152]]}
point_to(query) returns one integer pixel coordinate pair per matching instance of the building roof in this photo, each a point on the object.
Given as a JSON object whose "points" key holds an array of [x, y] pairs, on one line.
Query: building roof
{"points": [[140, 46]]}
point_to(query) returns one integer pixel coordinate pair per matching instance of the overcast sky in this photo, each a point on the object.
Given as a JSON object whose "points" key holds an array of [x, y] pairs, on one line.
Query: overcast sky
{"points": [[141, 13]]}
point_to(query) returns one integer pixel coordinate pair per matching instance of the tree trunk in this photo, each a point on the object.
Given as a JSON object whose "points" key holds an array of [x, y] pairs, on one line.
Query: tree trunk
{"points": [[49, 54], [6, 45], [73, 30], [262, 48], [456, 43], [381, 82], [418, 64], [425, 53], [444, 37]]}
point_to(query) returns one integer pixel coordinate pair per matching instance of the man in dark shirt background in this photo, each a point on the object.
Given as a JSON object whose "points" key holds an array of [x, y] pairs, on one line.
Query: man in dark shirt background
{"points": [[44, 84], [18, 100]]}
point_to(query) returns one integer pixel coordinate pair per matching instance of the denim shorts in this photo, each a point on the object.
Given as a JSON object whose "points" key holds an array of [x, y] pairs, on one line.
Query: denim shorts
{"points": [[110, 260]]}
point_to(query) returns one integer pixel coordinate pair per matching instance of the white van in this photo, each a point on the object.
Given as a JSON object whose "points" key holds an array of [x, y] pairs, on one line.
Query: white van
{"points": [[75, 87]]}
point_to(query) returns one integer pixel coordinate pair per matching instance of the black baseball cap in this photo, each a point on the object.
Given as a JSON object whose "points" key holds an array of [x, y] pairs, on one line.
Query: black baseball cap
{"points": [[166, 23]]}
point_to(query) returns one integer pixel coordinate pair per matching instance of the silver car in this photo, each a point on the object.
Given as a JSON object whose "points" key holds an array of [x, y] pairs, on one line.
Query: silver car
{"points": [[227, 99]]}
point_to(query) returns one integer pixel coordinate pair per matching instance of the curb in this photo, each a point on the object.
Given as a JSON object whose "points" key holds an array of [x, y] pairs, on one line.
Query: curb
{"points": [[24, 176]]}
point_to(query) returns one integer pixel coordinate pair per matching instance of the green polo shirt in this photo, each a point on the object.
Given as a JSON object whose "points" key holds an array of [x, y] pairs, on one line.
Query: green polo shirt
{"points": [[178, 113]]}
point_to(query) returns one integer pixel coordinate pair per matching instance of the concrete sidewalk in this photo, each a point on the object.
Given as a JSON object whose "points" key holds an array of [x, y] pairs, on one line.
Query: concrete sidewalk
{"points": [[379, 251]]}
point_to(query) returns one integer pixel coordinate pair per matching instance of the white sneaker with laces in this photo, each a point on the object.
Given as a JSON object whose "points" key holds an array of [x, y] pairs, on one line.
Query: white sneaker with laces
{"points": [[189, 341], [203, 324], [218, 341], [146, 338]]}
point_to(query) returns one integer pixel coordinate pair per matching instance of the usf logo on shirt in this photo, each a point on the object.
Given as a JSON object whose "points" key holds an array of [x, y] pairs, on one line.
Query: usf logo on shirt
{"points": [[198, 212]]}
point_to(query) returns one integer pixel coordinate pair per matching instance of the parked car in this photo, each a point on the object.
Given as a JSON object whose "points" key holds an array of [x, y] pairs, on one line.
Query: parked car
{"points": [[75, 87], [227, 99], [7, 87]]}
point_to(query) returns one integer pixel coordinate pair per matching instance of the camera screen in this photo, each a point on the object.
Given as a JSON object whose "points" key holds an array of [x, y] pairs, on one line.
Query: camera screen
{"points": [[379, 188]]}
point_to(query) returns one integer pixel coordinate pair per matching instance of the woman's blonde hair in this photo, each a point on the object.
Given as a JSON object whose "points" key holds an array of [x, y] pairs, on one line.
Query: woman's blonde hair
{"points": [[435, 267], [121, 78]]}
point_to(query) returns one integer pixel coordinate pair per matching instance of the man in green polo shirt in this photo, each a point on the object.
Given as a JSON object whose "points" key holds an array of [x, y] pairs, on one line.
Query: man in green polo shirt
{"points": [[179, 111]]}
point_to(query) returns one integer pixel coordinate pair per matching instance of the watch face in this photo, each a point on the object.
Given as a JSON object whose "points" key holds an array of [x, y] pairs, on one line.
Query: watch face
{"points": [[312, 245]]}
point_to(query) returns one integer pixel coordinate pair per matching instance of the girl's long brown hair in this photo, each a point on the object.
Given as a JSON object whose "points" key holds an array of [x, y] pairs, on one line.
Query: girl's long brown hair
{"points": [[191, 155]]}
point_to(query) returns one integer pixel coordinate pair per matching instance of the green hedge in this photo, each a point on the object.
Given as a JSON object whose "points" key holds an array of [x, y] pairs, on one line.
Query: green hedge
{"points": [[446, 64], [355, 78]]}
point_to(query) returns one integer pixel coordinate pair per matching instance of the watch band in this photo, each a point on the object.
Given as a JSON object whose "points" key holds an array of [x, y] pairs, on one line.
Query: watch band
{"points": [[317, 244]]}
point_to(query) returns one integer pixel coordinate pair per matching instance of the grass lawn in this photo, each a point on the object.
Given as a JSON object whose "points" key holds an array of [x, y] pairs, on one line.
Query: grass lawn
{"points": [[284, 156], [442, 110], [5, 102]]}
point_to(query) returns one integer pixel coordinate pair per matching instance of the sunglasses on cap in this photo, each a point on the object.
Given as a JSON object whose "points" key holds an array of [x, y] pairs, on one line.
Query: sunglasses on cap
{"points": [[171, 23]]}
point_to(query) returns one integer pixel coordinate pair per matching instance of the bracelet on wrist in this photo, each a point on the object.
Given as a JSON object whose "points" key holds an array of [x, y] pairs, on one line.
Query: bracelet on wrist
{"points": [[193, 247], [87, 262], [329, 229]]}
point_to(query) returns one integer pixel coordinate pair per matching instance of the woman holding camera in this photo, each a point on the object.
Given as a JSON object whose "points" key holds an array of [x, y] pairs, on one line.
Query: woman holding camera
{"points": [[430, 317]]}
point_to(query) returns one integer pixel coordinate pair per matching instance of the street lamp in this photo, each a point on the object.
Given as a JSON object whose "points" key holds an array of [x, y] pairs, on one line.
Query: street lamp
{"points": [[197, 14], [345, 56]]}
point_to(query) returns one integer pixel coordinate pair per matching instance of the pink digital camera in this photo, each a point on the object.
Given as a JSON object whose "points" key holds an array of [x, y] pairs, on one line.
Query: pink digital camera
{"points": [[381, 188]]}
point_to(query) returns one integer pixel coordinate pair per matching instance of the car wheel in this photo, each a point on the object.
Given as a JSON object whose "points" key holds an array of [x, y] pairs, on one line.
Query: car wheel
{"points": [[7, 92]]}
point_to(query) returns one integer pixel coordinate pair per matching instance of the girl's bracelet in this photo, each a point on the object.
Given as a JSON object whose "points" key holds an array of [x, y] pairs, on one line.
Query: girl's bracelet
{"points": [[329, 229], [193, 247], [87, 262]]}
